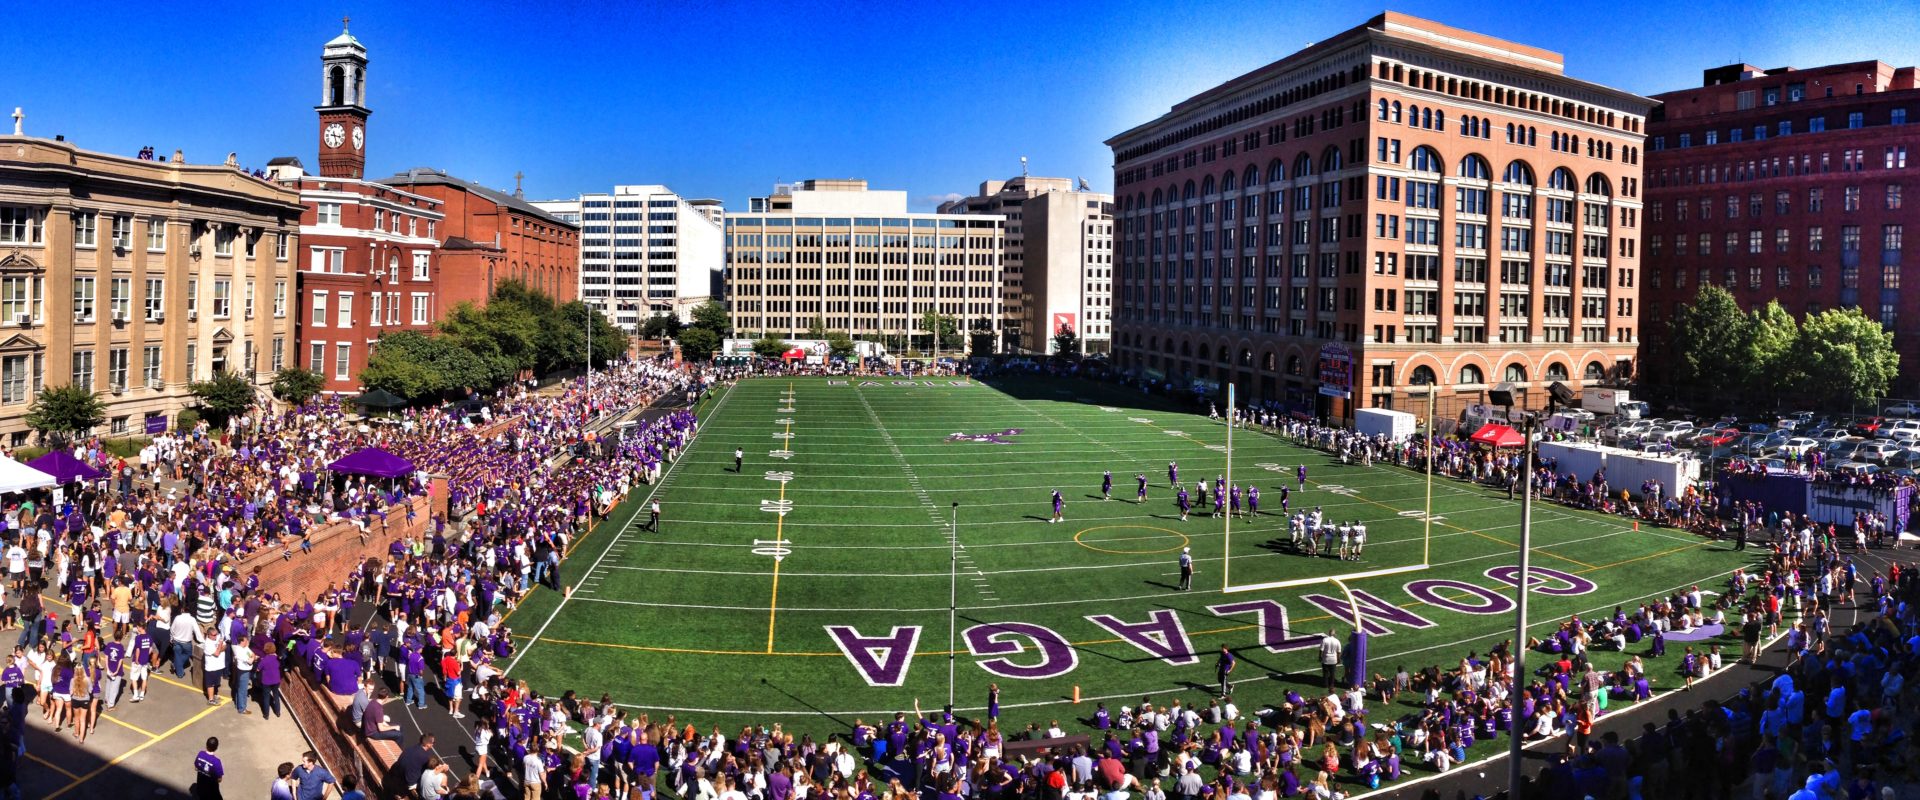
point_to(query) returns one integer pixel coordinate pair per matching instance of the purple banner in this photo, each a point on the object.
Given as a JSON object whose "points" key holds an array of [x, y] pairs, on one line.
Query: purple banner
{"points": [[157, 424], [1776, 492]]}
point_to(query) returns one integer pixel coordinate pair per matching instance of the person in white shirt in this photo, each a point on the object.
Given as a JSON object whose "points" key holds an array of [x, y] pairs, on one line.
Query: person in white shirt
{"points": [[213, 651]]}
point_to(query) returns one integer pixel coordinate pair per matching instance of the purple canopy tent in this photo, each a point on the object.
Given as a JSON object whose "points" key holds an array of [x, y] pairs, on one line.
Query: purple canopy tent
{"points": [[65, 468], [375, 462]]}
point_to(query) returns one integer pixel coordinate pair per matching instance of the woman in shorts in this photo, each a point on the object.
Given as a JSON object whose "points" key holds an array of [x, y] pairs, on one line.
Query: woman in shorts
{"points": [[81, 694]]}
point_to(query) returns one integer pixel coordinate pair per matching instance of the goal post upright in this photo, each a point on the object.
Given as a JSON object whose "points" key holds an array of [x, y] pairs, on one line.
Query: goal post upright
{"points": [[1226, 533]]}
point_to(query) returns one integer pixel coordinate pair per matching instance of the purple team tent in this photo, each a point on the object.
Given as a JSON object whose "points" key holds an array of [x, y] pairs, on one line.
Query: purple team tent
{"points": [[65, 468], [375, 462]]}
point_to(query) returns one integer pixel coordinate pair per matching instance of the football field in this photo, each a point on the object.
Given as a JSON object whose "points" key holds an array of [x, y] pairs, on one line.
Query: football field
{"points": [[814, 586]]}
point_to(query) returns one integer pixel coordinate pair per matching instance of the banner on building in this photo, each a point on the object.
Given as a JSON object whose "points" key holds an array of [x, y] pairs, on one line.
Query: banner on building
{"points": [[1336, 371], [1065, 322]]}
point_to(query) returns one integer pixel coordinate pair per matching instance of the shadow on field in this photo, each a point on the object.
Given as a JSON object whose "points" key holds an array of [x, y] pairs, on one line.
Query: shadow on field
{"points": [[803, 701]]}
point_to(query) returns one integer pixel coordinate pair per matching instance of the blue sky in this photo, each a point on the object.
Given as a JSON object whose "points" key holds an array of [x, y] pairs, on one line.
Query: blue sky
{"points": [[722, 99]]}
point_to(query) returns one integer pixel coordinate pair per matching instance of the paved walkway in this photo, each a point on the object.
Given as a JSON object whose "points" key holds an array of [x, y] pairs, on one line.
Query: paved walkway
{"points": [[146, 749]]}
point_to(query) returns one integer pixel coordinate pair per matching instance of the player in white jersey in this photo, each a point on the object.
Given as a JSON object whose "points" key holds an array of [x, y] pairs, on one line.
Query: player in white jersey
{"points": [[1296, 527], [1346, 541], [1359, 539], [1311, 535]]}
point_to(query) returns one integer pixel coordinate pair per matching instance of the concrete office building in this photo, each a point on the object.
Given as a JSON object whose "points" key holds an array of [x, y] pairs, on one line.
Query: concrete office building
{"points": [[836, 253], [1784, 184], [1400, 204], [134, 277], [646, 251], [1058, 268]]}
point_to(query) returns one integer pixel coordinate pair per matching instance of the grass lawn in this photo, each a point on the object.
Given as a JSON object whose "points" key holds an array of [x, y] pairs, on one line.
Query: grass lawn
{"points": [[813, 589]]}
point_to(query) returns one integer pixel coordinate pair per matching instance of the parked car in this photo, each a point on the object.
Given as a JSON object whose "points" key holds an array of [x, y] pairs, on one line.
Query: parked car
{"points": [[1679, 429], [1909, 425], [1857, 468], [1798, 446], [1905, 408], [1875, 452], [1868, 428]]}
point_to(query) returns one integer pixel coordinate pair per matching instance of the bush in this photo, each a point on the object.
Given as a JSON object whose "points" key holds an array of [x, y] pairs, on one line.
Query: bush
{"points": [[125, 447], [25, 454], [185, 420]]}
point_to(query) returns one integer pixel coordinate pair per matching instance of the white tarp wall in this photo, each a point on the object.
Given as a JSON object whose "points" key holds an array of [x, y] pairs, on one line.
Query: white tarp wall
{"points": [[1625, 468], [1396, 425]]}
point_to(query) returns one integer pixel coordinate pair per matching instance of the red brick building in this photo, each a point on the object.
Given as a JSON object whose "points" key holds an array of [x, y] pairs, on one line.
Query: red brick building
{"points": [[493, 236], [1403, 203], [1783, 184], [370, 255]]}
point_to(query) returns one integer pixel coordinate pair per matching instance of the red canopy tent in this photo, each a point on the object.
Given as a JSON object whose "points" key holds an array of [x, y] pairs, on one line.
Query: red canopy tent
{"points": [[1496, 435], [794, 353]]}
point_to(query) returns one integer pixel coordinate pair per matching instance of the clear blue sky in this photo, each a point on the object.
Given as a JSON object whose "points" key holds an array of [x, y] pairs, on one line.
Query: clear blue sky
{"points": [[722, 98]]}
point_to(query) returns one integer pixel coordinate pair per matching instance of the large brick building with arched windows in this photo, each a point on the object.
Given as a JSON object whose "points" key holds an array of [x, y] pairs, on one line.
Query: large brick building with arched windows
{"points": [[1402, 203]]}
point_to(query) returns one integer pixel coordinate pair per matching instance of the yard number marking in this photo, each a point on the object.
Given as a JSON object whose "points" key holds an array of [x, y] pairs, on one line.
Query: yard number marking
{"points": [[780, 476], [780, 454], [773, 547], [780, 507]]}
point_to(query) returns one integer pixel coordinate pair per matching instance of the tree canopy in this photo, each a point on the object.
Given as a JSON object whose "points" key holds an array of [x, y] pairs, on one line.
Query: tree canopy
{"points": [[519, 330], [223, 396], [1727, 358], [60, 412]]}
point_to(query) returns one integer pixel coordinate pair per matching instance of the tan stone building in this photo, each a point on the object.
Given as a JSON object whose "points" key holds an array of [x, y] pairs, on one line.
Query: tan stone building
{"points": [[1398, 203], [853, 259], [1058, 266], [136, 276]]}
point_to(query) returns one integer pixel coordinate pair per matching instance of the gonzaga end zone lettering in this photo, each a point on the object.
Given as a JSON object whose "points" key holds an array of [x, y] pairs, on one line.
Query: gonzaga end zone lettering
{"points": [[1026, 651]]}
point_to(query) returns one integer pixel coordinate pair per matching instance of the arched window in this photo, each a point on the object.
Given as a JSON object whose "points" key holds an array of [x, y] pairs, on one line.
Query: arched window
{"points": [[337, 86], [1425, 159], [1268, 362], [1594, 371], [1188, 194], [1302, 166], [1533, 137], [1475, 167], [1470, 375], [1276, 172], [1383, 109], [1220, 355], [1597, 184], [1423, 376], [1396, 107], [1157, 200], [1518, 173], [1510, 134], [1515, 373], [1562, 179], [1206, 186], [1293, 365], [1186, 350], [1246, 357], [1252, 177], [1440, 121], [1226, 181], [1556, 371], [1330, 160]]}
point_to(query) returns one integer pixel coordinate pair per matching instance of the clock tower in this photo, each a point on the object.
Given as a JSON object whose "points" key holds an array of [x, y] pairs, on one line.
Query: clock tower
{"points": [[343, 107]]}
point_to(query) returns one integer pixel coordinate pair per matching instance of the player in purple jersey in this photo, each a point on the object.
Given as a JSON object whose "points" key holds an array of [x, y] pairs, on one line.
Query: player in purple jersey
{"points": [[1181, 500], [1284, 494], [1301, 473], [1142, 479], [1219, 500], [1233, 500], [1059, 508], [1106, 485], [1253, 501], [1173, 474]]}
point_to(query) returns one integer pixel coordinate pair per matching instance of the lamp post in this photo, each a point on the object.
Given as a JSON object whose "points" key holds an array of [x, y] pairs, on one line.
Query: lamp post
{"points": [[953, 593], [1515, 769]]}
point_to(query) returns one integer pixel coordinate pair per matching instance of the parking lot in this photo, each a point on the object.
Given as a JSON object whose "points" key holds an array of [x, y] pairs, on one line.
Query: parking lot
{"points": [[1864, 443]]}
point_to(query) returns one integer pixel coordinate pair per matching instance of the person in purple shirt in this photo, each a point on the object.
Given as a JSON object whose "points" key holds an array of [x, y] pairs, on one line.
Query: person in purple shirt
{"points": [[1141, 495], [1181, 501], [208, 771], [1173, 474], [1059, 507], [270, 678]]}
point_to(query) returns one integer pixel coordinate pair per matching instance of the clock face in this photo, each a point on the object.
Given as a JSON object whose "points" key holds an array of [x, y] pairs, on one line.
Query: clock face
{"points": [[334, 135], [359, 137]]}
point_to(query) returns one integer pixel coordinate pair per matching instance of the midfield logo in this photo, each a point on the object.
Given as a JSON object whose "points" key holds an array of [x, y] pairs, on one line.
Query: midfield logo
{"points": [[1003, 437]]}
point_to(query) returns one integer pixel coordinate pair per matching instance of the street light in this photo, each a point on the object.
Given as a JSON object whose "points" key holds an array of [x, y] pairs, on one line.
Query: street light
{"points": [[953, 593]]}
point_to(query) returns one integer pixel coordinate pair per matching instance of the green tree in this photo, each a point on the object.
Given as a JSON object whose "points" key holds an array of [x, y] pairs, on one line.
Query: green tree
{"points": [[713, 316], [840, 345], [223, 397], [769, 347], [59, 412], [661, 326], [817, 329], [698, 344], [1772, 334], [296, 385], [414, 365], [1066, 343], [1844, 357], [1715, 343]]}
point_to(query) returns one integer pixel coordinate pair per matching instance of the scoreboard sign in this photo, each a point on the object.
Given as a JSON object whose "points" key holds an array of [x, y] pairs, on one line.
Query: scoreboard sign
{"points": [[1336, 371]]}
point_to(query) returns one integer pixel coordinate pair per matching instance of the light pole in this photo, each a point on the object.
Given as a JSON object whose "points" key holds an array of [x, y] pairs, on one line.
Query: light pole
{"points": [[1515, 769], [953, 593]]}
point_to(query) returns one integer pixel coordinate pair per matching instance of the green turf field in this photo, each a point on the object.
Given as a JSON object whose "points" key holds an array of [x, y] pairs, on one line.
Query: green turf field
{"points": [[726, 616]]}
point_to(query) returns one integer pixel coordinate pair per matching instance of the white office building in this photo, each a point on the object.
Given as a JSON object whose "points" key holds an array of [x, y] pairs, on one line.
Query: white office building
{"points": [[646, 251]]}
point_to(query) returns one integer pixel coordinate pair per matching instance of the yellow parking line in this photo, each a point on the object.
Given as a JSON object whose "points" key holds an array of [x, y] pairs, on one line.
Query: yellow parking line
{"points": [[50, 765], [133, 752], [130, 726]]}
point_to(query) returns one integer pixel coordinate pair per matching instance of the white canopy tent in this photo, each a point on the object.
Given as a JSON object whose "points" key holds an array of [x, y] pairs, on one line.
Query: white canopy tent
{"points": [[18, 477]]}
